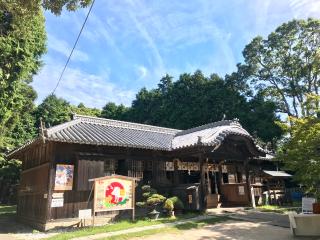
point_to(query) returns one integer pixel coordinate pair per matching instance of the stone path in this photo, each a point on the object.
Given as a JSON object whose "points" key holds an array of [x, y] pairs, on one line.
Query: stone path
{"points": [[275, 219]]}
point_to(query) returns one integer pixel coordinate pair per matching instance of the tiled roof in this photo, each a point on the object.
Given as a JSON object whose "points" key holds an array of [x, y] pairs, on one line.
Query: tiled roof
{"points": [[211, 134], [100, 131]]}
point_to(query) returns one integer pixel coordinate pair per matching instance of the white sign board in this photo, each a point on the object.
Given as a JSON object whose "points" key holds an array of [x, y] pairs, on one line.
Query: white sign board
{"points": [[307, 205], [85, 214], [241, 190], [57, 202]]}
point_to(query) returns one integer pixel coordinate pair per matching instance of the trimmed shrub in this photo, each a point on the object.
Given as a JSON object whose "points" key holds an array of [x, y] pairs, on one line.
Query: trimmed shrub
{"points": [[177, 203]]}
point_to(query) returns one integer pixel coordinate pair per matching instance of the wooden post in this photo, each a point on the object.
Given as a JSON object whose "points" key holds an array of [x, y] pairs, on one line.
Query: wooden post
{"points": [[208, 178], [94, 202], [248, 180], [268, 197], [175, 172], [133, 199], [220, 178], [203, 182], [51, 179]]}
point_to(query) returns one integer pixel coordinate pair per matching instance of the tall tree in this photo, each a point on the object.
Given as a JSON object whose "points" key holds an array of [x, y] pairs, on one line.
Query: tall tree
{"points": [[286, 65], [22, 42], [53, 111], [194, 100], [300, 151], [113, 111]]}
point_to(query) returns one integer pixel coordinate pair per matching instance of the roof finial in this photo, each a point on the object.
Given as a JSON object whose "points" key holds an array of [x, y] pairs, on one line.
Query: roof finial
{"points": [[42, 129]]}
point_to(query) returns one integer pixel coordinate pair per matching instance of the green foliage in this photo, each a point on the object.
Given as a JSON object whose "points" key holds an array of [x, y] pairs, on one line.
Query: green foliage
{"points": [[300, 151], [195, 100], [168, 205], [112, 111], [285, 66], [54, 110], [22, 43], [177, 203], [146, 188], [150, 197], [155, 199], [57, 5], [83, 110]]}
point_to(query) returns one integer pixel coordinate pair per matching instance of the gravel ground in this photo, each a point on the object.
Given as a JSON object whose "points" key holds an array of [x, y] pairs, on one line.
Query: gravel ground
{"points": [[228, 231]]}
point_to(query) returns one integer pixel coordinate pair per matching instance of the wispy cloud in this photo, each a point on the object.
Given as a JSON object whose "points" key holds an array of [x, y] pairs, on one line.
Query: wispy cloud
{"points": [[78, 86], [133, 43], [64, 48], [302, 8]]}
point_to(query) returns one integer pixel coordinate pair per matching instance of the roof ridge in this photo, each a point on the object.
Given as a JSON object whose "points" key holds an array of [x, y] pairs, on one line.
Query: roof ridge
{"points": [[60, 126], [208, 125], [124, 124]]}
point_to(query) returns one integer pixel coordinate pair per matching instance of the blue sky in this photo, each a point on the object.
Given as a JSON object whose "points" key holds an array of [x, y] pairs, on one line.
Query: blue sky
{"points": [[130, 44]]}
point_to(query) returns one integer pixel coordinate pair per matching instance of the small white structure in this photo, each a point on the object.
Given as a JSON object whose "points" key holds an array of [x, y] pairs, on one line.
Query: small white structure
{"points": [[307, 205], [304, 224]]}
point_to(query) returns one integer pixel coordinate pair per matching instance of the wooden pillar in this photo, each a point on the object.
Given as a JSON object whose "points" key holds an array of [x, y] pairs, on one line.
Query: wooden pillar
{"points": [[208, 178], [268, 197], [51, 178], [203, 200], [248, 179], [154, 179], [220, 179], [175, 172]]}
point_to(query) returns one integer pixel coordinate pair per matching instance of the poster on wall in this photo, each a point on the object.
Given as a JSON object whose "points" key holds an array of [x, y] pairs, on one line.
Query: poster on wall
{"points": [[64, 177], [169, 166], [113, 193]]}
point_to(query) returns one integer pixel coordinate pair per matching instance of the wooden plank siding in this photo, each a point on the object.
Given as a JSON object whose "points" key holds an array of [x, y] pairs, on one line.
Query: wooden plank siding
{"points": [[88, 169], [33, 190], [89, 162]]}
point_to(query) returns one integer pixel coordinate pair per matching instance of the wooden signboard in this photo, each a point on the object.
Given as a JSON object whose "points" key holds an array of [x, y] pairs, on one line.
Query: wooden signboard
{"points": [[112, 193]]}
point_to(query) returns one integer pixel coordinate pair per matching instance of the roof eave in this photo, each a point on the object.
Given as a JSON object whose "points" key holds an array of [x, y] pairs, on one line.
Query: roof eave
{"points": [[14, 154], [108, 144]]}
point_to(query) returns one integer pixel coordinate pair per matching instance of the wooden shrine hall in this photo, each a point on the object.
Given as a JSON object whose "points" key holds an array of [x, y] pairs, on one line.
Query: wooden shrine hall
{"points": [[206, 166]]}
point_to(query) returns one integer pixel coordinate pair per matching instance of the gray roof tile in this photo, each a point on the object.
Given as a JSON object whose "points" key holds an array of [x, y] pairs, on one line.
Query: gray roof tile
{"points": [[100, 131]]}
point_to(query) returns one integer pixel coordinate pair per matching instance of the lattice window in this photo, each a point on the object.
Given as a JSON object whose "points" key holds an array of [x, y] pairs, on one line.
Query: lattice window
{"points": [[135, 168], [109, 167]]}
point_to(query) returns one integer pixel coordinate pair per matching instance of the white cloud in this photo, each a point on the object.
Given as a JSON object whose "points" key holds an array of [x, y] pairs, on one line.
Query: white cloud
{"points": [[78, 86], [142, 72], [303, 8], [64, 48]]}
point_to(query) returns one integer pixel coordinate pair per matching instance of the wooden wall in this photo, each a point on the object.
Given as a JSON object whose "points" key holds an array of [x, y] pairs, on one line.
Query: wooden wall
{"points": [[89, 162], [33, 190], [231, 195]]}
